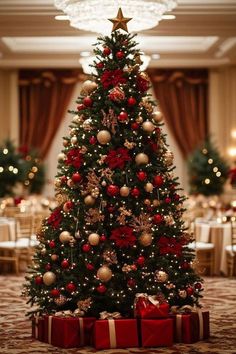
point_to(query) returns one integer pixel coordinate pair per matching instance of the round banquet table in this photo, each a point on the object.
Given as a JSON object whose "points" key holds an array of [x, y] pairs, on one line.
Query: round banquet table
{"points": [[220, 235]]}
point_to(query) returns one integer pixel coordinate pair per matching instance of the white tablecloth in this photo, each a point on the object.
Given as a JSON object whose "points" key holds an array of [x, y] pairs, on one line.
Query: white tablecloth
{"points": [[218, 234]]}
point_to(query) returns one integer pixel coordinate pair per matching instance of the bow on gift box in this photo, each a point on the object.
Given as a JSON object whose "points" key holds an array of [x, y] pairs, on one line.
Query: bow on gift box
{"points": [[109, 315], [184, 309], [69, 313], [150, 306]]}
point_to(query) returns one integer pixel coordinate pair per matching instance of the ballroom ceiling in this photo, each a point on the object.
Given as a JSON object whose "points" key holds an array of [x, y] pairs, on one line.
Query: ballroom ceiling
{"points": [[202, 35]]}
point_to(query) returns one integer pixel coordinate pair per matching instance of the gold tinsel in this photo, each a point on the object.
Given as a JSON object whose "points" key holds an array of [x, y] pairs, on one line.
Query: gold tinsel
{"points": [[142, 222], [110, 120], [93, 215]]}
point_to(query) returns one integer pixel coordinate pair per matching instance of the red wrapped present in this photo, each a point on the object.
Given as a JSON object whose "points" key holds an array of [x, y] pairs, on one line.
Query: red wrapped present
{"points": [[68, 332], [116, 333], [157, 333], [38, 328], [191, 327], [148, 306]]}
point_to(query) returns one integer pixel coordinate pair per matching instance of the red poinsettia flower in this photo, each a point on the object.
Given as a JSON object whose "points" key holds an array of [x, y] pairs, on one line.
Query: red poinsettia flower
{"points": [[74, 158], [112, 78], [170, 245], [123, 236], [55, 218], [117, 158]]}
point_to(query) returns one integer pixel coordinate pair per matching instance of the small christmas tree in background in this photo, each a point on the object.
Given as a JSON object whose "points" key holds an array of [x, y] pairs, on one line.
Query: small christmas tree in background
{"points": [[34, 170], [11, 169], [117, 230], [208, 171]]}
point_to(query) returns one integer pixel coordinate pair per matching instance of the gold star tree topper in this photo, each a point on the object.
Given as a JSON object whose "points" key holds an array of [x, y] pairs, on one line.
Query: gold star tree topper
{"points": [[120, 21]]}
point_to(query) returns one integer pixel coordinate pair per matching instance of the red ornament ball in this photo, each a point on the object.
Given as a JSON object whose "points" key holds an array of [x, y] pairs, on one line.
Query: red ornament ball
{"points": [[135, 126], [106, 51], [88, 102], [167, 200], [54, 292], [142, 176], [65, 264], [90, 266], [185, 265], [131, 101], [48, 266], [70, 287], [68, 206], [52, 244], [100, 65], [101, 289], [198, 286], [135, 192], [131, 283], [92, 140], [38, 280], [113, 190], [141, 261], [190, 291], [120, 54], [80, 107], [158, 181], [157, 219], [176, 197], [86, 247], [76, 177], [111, 208], [103, 238], [123, 116]]}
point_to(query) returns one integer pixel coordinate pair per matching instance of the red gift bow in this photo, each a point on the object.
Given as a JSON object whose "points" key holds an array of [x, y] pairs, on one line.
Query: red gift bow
{"points": [[147, 306]]}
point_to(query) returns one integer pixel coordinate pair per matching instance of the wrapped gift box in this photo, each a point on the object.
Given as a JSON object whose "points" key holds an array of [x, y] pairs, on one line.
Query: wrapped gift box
{"points": [[38, 328], [146, 306], [191, 327], [118, 333], [157, 332], [68, 332]]}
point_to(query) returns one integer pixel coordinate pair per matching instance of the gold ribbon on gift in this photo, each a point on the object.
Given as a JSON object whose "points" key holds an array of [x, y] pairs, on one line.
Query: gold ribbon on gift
{"points": [[50, 329], [69, 313], [36, 327], [112, 333], [109, 315], [81, 330]]}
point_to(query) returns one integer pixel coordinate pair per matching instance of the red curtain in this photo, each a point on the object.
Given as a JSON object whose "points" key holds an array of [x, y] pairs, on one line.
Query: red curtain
{"points": [[44, 98], [183, 99]]}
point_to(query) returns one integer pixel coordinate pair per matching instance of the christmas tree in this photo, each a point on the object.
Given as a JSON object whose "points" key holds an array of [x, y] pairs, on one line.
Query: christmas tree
{"points": [[11, 169], [117, 230], [208, 171]]}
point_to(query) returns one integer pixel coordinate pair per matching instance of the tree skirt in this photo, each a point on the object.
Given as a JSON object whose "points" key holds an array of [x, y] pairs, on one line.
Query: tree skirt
{"points": [[220, 299]]}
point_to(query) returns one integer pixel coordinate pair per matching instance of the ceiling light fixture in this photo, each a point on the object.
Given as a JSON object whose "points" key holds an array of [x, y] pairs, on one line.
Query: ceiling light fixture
{"points": [[92, 15]]}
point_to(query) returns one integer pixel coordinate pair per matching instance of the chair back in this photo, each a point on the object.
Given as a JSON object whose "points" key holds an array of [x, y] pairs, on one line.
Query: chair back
{"points": [[233, 233], [11, 211], [24, 226]]}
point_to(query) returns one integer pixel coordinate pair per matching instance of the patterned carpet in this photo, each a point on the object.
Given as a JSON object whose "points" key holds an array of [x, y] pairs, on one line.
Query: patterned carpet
{"points": [[220, 298]]}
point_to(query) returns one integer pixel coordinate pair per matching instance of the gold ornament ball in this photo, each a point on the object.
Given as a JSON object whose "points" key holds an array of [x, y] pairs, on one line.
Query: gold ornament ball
{"points": [[149, 187], [141, 159], [145, 239], [139, 119], [49, 278], [64, 237], [94, 239], [104, 183], [65, 142], [104, 274], [72, 132], [57, 182], [183, 294], [148, 126], [54, 257], [43, 251], [124, 191], [104, 137], [89, 200], [61, 156], [157, 116], [147, 202], [77, 119], [73, 140], [88, 87], [155, 202], [70, 183], [169, 157], [161, 276]]}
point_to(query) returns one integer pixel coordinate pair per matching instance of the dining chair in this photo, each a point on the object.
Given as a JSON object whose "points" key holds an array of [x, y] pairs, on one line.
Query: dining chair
{"points": [[231, 250], [21, 248]]}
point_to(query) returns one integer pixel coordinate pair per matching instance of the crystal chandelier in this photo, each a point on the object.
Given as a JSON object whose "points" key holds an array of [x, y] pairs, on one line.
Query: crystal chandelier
{"points": [[92, 15]]}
